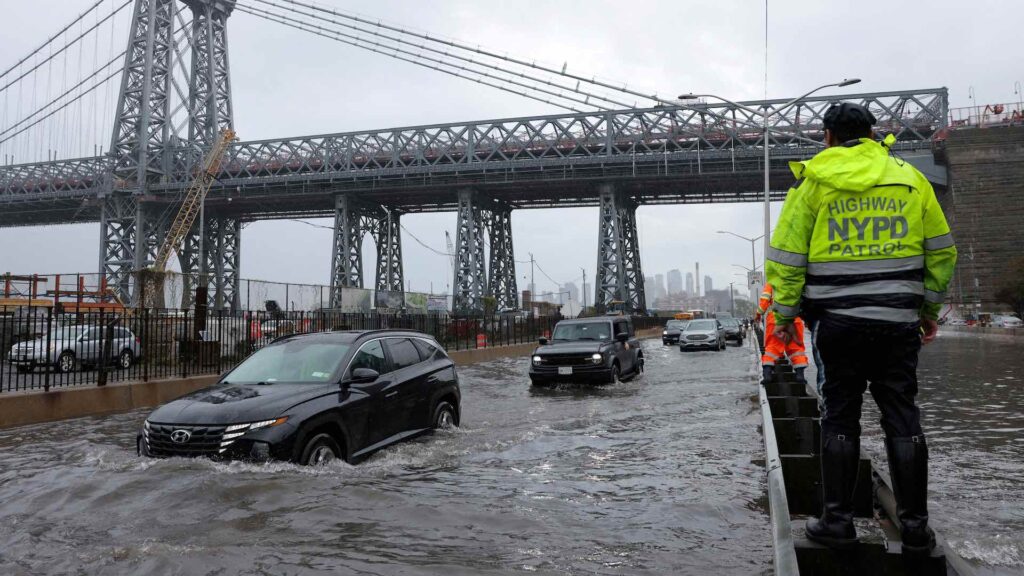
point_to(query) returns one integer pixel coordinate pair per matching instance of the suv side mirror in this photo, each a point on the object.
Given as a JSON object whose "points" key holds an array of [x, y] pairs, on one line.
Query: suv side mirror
{"points": [[622, 337], [543, 341], [363, 375]]}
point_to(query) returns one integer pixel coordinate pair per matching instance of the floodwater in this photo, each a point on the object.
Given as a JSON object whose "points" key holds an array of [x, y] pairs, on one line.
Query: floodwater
{"points": [[657, 476], [971, 394]]}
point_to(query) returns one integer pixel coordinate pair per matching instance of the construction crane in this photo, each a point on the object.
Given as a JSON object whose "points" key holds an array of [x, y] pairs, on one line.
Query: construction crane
{"points": [[194, 198]]}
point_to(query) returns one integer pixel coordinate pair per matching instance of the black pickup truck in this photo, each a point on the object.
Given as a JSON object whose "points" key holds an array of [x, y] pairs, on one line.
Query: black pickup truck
{"points": [[590, 350]]}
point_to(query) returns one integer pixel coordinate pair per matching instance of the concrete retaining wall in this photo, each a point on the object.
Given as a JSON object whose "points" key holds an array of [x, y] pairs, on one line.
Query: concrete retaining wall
{"points": [[989, 331]]}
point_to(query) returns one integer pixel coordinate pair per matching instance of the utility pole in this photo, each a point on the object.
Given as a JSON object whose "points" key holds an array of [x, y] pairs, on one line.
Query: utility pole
{"points": [[732, 301], [584, 270], [533, 286]]}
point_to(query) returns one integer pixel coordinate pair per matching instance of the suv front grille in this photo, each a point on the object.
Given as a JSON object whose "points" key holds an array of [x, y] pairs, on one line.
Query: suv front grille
{"points": [[567, 360], [202, 440], [696, 336]]}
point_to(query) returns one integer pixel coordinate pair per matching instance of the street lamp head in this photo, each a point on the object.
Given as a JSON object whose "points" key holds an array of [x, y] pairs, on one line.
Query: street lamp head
{"points": [[848, 82], [690, 96]]}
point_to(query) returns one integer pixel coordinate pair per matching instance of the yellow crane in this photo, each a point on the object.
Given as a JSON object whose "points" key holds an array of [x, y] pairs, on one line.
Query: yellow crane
{"points": [[194, 198]]}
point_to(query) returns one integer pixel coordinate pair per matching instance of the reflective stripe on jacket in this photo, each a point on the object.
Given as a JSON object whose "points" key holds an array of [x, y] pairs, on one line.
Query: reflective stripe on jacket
{"points": [[861, 236]]}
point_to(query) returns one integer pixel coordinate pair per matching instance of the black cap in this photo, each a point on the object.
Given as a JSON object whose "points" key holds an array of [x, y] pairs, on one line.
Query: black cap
{"points": [[848, 117]]}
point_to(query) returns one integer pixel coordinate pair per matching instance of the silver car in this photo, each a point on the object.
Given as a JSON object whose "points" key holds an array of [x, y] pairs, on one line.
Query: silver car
{"points": [[705, 333], [68, 347]]}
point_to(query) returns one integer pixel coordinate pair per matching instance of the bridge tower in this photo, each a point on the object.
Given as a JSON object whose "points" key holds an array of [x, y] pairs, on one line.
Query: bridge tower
{"points": [[619, 276], [145, 152], [352, 221], [479, 215]]}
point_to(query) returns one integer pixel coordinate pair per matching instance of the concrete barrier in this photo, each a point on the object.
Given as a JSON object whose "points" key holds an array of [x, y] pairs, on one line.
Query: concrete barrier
{"points": [[986, 330]]}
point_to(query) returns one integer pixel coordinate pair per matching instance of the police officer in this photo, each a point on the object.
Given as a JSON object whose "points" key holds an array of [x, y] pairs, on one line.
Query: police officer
{"points": [[863, 250]]}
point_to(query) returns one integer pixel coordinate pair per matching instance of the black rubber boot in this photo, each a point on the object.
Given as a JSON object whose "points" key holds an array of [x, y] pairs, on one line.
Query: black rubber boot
{"points": [[767, 374], [800, 375], [840, 457], [908, 465]]}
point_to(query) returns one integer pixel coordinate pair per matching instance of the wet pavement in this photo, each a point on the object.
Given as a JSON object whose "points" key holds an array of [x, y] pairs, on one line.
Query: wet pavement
{"points": [[656, 476]]}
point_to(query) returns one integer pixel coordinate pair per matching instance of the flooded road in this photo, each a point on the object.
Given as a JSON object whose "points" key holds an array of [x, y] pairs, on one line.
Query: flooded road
{"points": [[972, 403], [656, 476]]}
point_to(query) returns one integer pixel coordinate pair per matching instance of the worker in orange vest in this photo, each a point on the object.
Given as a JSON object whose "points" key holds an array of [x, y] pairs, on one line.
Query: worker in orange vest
{"points": [[774, 347]]}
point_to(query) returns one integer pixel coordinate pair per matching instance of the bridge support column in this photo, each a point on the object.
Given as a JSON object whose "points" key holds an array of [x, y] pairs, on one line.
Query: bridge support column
{"points": [[212, 260], [119, 220], [387, 233], [619, 275], [347, 255], [502, 285], [470, 267]]}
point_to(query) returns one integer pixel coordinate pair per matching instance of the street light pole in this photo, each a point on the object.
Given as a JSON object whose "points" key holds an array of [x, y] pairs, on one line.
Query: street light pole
{"points": [[765, 117], [732, 300]]}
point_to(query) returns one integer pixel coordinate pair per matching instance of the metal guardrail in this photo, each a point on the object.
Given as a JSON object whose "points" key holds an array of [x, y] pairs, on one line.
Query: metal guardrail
{"points": [[782, 531], [987, 116]]}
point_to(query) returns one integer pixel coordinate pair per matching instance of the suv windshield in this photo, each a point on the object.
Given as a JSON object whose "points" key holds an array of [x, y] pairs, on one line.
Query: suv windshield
{"points": [[676, 324], [700, 325], [302, 361], [583, 331], [730, 322]]}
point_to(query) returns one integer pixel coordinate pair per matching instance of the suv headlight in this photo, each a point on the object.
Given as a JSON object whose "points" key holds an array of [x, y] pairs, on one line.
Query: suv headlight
{"points": [[537, 360], [664, 332], [596, 358], [232, 432]]}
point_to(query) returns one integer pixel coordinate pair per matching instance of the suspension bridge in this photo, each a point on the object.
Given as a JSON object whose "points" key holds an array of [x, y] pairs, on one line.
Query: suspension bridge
{"points": [[119, 140]]}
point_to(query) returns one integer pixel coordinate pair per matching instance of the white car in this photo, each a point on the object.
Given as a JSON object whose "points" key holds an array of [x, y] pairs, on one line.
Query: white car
{"points": [[1007, 322]]}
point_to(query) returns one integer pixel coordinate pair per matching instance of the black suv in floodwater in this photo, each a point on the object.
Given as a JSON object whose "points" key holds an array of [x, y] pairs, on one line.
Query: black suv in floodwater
{"points": [[312, 398], [597, 350]]}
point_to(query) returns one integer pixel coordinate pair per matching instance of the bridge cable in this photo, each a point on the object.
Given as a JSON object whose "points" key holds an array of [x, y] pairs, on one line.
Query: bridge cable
{"points": [[594, 81], [52, 38], [448, 54], [327, 34], [65, 47]]}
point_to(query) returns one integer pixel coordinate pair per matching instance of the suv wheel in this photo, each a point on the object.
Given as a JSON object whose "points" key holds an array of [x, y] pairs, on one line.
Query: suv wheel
{"points": [[66, 362], [444, 416], [321, 449], [125, 359], [615, 374]]}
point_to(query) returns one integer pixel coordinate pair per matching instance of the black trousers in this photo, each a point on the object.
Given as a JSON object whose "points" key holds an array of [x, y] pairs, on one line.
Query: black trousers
{"points": [[854, 357]]}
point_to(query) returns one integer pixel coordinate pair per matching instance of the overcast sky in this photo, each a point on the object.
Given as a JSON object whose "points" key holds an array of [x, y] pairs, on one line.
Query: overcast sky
{"points": [[289, 83]]}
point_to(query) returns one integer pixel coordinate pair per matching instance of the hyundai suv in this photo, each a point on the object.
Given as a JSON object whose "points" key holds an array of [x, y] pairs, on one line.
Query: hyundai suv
{"points": [[313, 398]]}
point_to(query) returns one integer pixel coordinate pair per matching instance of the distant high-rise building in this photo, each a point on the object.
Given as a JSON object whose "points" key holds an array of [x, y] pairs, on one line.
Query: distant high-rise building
{"points": [[697, 277], [675, 282], [649, 290], [573, 292], [689, 284], [707, 285], [659, 286]]}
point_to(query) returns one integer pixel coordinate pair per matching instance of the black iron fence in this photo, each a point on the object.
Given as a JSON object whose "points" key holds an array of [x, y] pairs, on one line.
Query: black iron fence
{"points": [[41, 348]]}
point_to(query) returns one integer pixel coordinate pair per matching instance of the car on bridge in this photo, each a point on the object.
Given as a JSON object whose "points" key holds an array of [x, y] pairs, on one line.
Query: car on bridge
{"points": [[69, 347], [705, 333], [597, 350], [313, 398]]}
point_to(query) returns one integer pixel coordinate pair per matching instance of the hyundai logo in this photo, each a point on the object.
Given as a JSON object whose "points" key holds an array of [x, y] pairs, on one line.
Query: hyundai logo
{"points": [[180, 436]]}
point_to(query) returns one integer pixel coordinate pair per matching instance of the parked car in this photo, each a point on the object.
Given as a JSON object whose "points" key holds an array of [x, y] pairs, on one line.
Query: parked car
{"points": [[1006, 322], [707, 333], [271, 329], [313, 398], [733, 330], [592, 350], [670, 335], [69, 347]]}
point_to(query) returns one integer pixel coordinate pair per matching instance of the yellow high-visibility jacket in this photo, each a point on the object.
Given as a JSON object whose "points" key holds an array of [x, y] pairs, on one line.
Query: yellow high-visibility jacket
{"points": [[861, 236]]}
